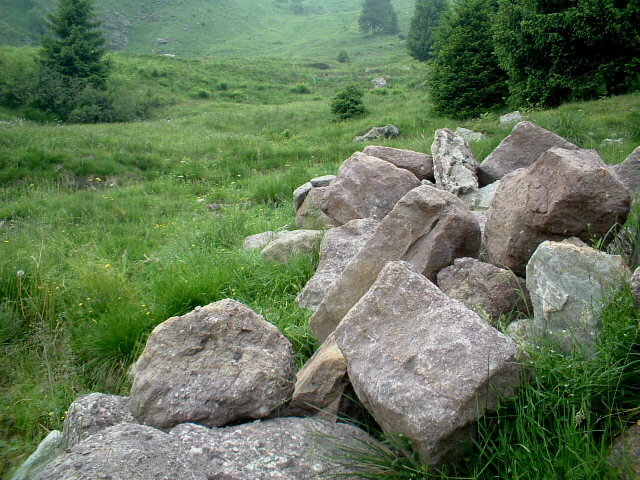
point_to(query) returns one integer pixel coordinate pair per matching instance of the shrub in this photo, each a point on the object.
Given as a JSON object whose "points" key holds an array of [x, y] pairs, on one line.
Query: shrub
{"points": [[301, 88], [343, 57], [348, 103]]}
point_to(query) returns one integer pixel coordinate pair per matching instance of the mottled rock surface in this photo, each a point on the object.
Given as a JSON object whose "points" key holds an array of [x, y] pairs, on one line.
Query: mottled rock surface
{"points": [[260, 240], [565, 193], [292, 244], [47, 451], [300, 193], [366, 187], [438, 365], [428, 227], [339, 245], [454, 166], [628, 172], [420, 164], [375, 133], [481, 198], [625, 454], [218, 364], [523, 146], [310, 216]]}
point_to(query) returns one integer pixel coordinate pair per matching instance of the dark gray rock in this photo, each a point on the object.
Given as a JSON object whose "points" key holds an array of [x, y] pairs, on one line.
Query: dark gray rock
{"points": [[300, 193], [310, 216]]}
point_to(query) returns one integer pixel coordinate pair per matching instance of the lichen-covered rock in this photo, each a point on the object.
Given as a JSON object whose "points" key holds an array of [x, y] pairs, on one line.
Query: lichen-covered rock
{"points": [[282, 448], [420, 164], [47, 451], [339, 245], [454, 166], [292, 244], [375, 133], [423, 364], [91, 413], [216, 365]]}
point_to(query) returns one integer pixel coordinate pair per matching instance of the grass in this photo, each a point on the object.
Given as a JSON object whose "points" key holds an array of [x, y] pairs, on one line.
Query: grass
{"points": [[108, 229]]}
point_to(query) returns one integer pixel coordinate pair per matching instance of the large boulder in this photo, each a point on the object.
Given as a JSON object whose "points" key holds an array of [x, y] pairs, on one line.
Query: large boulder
{"points": [[339, 245], [565, 193], [428, 227], [320, 384], [47, 451], [420, 164], [424, 365], [366, 187], [628, 172], [523, 146], [454, 166], [568, 281], [282, 448], [292, 244], [218, 364], [484, 288], [124, 452], [310, 215], [92, 413]]}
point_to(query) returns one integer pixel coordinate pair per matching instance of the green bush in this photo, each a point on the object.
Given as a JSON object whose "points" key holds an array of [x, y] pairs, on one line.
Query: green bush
{"points": [[348, 103], [343, 57], [301, 88]]}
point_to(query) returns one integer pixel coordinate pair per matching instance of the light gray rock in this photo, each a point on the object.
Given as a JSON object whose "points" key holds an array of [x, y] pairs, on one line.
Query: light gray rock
{"points": [[454, 166], [379, 82], [511, 117], [300, 193], [366, 187], [481, 198], [339, 245], [322, 181], [420, 164], [261, 240], [310, 216], [565, 193], [567, 283], [628, 172], [438, 365], [470, 135], [282, 448], [523, 146], [218, 364], [47, 451], [124, 452], [624, 456], [490, 291], [92, 413], [320, 384], [376, 133], [635, 285], [292, 244], [428, 228]]}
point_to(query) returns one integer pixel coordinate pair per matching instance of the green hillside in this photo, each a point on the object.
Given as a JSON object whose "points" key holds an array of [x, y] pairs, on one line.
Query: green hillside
{"points": [[201, 28]]}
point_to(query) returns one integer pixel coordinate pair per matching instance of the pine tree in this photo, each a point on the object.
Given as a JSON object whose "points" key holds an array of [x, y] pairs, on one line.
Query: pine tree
{"points": [[425, 20], [378, 16]]}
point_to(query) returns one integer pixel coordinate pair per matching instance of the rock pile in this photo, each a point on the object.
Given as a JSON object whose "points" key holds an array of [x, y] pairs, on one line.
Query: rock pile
{"points": [[406, 311]]}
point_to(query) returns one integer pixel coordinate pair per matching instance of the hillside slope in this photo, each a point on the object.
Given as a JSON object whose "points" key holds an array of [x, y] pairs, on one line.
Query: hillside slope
{"points": [[193, 28]]}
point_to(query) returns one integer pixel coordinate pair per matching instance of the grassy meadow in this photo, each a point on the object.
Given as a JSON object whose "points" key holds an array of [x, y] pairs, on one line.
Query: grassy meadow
{"points": [[107, 230]]}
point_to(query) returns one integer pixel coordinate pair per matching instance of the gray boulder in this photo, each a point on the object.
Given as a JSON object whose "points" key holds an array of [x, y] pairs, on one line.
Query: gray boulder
{"points": [[567, 282], [261, 240], [565, 193], [511, 117], [628, 172], [310, 216], [282, 448], [300, 193], [215, 365], [366, 187], [486, 289], [481, 198], [292, 244], [523, 146], [624, 457], [635, 285], [92, 413], [376, 133], [124, 452], [454, 166], [47, 451], [470, 135], [423, 364], [322, 181], [420, 164], [339, 245], [428, 227], [320, 384]]}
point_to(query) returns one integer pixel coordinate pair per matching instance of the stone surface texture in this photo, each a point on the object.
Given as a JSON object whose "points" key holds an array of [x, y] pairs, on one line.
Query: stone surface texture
{"points": [[428, 227], [300, 193], [339, 245], [481, 198], [320, 384], [454, 166], [260, 240], [511, 117], [366, 187], [310, 216], [281, 448], [47, 451], [376, 133], [322, 181], [470, 135], [292, 244], [625, 454], [565, 193], [628, 172], [420, 164], [484, 288], [567, 282], [91, 413], [438, 365], [635, 285], [523, 146], [218, 364], [124, 452]]}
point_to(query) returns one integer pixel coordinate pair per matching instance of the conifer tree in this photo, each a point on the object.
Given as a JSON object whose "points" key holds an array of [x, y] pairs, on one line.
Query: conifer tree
{"points": [[425, 20], [378, 16]]}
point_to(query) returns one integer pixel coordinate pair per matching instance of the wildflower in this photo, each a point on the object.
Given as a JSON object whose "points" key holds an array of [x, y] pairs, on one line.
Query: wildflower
{"points": [[108, 265], [20, 273]]}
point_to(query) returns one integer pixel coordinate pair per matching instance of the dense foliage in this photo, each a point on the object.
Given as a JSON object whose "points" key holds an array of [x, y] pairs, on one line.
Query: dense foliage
{"points": [[348, 103], [425, 20], [562, 50], [378, 16], [465, 78]]}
